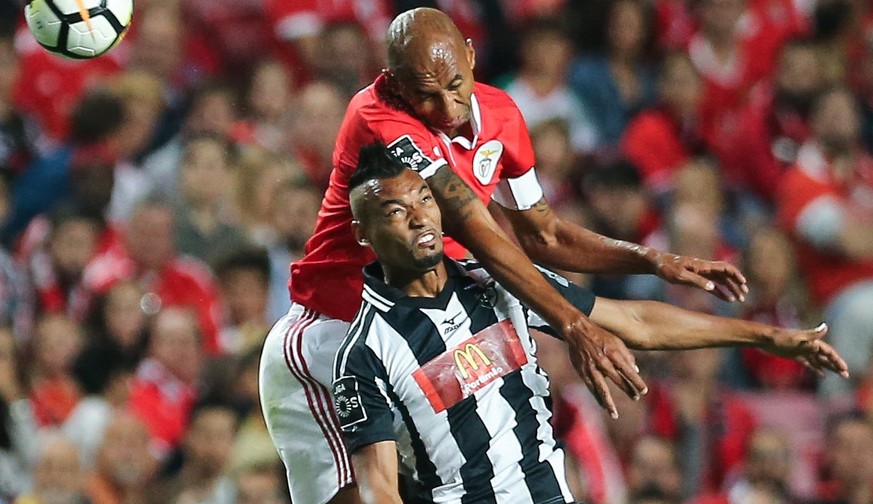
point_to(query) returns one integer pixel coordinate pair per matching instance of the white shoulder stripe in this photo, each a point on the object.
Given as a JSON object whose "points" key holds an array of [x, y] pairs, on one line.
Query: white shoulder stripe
{"points": [[376, 299], [352, 340]]}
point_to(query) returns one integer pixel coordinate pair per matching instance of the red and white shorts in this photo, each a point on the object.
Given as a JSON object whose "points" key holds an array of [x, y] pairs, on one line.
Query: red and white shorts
{"points": [[294, 382]]}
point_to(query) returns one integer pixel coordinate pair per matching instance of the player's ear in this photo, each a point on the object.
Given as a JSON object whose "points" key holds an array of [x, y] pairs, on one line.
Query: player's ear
{"points": [[471, 53], [358, 231]]}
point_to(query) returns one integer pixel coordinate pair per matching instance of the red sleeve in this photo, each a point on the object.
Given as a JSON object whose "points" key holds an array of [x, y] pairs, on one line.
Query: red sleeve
{"points": [[519, 156], [410, 141]]}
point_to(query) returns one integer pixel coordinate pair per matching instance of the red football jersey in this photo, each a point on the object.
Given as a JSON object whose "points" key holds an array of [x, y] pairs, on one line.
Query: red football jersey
{"points": [[328, 278]]}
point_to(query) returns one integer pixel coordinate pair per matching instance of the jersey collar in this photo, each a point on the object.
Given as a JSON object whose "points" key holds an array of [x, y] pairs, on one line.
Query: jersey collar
{"points": [[475, 122], [384, 296]]}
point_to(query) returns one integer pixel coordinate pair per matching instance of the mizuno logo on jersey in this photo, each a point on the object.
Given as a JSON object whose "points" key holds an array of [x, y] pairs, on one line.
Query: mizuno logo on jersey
{"points": [[464, 369]]}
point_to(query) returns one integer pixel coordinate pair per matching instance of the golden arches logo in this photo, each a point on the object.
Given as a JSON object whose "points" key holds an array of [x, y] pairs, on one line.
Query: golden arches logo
{"points": [[467, 354]]}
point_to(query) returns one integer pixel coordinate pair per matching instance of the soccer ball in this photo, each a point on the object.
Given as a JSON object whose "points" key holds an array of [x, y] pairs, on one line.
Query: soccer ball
{"points": [[78, 29]]}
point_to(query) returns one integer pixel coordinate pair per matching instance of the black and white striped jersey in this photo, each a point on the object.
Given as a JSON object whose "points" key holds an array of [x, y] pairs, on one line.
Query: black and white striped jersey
{"points": [[454, 381]]}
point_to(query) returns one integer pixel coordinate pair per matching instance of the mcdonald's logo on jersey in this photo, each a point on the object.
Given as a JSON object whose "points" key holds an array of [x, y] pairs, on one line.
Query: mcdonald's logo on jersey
{"points": [[468, 355], [462, 370]]}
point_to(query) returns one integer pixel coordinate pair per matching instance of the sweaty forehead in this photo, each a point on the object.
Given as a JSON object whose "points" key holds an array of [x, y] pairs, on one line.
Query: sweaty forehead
{"points": [[428, 57]]}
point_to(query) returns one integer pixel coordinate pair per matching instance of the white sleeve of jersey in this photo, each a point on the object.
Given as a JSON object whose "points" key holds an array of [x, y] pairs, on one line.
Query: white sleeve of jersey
{"points": [[520, 193]]}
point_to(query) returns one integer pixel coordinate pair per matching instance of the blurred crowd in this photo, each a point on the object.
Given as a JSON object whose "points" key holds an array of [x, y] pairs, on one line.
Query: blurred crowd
{"points": [[152, 199]]}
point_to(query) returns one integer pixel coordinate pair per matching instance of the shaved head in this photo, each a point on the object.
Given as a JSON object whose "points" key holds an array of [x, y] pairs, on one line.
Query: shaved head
{"points": [[421, 32], [431, 68]]}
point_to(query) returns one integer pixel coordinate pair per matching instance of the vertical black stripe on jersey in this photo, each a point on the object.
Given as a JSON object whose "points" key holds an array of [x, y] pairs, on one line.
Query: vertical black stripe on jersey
{"points": [[424, 466], [418, 330], [539, 477], [473, 440]]}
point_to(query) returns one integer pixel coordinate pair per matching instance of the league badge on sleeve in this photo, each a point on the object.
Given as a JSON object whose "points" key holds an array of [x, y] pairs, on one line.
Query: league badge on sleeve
{"points": [[409, 154], [347, 402]]}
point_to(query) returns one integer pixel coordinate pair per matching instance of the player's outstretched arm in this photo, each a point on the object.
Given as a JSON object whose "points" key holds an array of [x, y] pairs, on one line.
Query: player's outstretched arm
{"points": [[376, 472], [650, 325], [595, 353], [557, 243]]}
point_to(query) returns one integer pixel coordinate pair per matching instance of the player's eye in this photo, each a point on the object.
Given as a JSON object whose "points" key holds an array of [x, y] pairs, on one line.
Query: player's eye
{"points": [[427, 198]]}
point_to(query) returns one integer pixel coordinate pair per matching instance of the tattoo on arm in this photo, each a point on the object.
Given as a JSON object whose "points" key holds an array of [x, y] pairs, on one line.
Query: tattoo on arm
{"points": [[453, 194]]}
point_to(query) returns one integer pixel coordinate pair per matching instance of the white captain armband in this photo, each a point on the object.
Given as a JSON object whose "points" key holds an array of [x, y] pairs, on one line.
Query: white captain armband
{"points": [[520, 193]]}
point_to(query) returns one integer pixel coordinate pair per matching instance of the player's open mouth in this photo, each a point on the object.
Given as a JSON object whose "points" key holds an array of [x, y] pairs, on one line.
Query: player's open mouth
{"points": [[426, 240]]}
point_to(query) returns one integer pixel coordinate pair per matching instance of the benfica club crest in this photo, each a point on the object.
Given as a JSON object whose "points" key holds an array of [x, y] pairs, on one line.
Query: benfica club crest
{"points": [[485, 160]]}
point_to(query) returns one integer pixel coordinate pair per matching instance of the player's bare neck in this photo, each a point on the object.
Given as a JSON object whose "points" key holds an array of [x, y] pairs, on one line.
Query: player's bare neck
{"points": [[417, 284], [465, 131]]}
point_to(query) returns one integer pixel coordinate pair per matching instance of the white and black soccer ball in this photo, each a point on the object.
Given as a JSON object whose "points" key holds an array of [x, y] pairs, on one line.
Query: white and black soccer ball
{"points": [[78, 29]]}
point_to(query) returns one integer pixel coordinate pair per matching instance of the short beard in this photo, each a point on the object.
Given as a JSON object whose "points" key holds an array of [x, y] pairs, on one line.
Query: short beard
{"points": [[429, 262]]}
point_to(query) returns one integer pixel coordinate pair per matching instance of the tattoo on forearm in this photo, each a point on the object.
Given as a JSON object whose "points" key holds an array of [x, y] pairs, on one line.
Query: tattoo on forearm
{"points": [[452, 193]]}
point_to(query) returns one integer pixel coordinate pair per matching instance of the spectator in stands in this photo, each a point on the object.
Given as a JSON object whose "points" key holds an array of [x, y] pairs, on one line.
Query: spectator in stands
{"points": [[619, 208], [261, 173], [594, 470], [540, 88], [206, 186], [212, 111], [166, 383], [53, 389], [55, 270], [18, 447], [765, 471], [118, 340], [142, 98], [244, 277], [318, 115], [16, 297], [661, 139], [776, 298], [557, 164], [823, 207], [774, 124], [260, 484], [206, 451], [849, 456], [342, 61], [734, 49], [124, 465], [80, 170], [618, 82], [268, 104], [653, 468], [293, 209], [252, 445], [57, 474], [297, 25], [157, 47], [18, 135], [709, 425], [168, 278]]}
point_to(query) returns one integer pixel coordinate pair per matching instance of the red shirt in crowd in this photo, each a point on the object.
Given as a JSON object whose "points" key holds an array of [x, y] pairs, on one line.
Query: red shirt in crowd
{"points": [[659, 145], [183, 281], [771, 134], [48, 86], [328, 279], [163, 402], [810, 182]]}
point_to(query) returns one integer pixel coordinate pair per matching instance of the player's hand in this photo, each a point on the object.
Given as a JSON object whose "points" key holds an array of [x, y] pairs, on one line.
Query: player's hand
{"points": [[719, 278], [597, 354], [808, 348]]}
